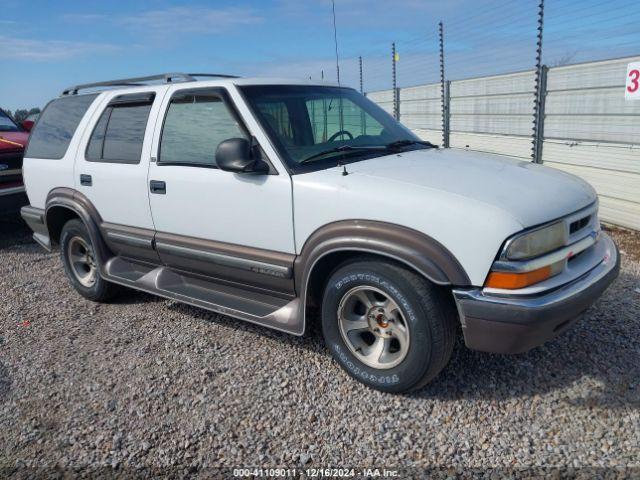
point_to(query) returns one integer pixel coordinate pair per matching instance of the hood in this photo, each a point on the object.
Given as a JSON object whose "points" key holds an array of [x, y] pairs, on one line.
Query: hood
{"points": [[10, 140], [530, 193]]}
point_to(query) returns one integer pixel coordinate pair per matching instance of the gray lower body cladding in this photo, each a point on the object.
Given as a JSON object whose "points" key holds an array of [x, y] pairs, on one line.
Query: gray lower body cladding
{"points": [[200, 273]]}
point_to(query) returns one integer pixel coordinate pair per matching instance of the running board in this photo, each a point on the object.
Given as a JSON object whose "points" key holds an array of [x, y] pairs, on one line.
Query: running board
{"points": [[262, 309]]}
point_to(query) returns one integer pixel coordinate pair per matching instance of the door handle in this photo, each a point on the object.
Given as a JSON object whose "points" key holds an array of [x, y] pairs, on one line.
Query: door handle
{"points": [[157, 186], [86, 180]]}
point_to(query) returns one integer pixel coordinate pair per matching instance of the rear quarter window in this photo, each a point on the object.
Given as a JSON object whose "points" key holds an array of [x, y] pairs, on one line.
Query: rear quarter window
{"points": [[56, 126]]}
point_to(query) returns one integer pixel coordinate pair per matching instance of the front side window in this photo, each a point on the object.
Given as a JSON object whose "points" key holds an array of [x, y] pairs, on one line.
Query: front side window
{"points": [[119, 134], [56, 126], [195, 124], [6, 124], [315, 127]]}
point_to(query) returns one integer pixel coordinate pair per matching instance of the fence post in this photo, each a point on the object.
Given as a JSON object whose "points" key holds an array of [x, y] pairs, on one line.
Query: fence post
{"points": [[539, 120], [446, 114], [363, 119], [444, 91], [539, 92], [396, 106]]}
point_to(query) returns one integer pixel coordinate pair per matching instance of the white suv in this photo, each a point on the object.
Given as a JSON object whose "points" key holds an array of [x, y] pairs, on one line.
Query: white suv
{"points": [[261, 199]]}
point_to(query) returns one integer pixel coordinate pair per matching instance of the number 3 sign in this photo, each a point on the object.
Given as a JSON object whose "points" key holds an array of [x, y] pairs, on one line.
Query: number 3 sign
{"points": [[632, 87]]}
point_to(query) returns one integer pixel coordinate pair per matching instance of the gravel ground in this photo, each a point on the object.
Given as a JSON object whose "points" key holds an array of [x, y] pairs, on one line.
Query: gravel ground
{"points": [[150, 383]]}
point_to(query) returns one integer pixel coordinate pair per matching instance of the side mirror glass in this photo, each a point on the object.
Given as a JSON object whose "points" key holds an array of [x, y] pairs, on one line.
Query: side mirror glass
{"points": [[234, 155], [27, 125]]}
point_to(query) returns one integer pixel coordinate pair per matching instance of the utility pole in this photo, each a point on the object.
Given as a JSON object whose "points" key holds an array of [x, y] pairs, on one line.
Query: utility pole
{"points": [[396, 107], [360, 61], [540, 92], [444, 91]]}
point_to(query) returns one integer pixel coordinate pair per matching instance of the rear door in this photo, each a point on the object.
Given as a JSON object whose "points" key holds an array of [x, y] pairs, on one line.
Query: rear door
{"points": [[112, 170], [235, 227]]}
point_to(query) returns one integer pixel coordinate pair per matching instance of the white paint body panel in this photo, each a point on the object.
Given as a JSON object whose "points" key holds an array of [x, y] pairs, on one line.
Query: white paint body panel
{"points": [[211, 204], [469, 202], [42, 175], [119, 190]]}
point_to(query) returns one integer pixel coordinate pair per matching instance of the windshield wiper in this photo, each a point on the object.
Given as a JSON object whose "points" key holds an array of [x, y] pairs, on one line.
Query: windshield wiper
{"points": [[407, 142], [342, 148], [348, 148]]}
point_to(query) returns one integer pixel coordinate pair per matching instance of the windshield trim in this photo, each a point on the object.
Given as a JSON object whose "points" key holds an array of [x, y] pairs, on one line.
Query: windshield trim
{"points": [[293, 167]]}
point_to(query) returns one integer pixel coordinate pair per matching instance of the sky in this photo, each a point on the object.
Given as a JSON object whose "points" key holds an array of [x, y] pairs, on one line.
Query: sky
{"points": [[46, 46]]}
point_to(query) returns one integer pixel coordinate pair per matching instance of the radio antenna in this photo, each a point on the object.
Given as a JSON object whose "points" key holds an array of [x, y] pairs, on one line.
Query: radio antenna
{"points": [[335, 39]]}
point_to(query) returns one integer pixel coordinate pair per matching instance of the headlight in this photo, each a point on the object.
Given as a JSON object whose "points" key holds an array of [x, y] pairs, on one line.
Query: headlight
{"points": [[537, 242]]}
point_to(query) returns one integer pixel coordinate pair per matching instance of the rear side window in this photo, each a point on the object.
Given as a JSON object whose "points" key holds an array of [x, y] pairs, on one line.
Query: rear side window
{"points": [[119, 134], [194, 126], [56, 126]]}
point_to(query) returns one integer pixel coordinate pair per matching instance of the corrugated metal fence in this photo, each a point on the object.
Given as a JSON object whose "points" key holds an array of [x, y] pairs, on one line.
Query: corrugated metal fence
{"points": [[589, 128]]}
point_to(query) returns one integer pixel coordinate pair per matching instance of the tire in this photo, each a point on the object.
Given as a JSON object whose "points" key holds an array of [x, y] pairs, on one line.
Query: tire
{"points": [[80, 264], [418, 335]]}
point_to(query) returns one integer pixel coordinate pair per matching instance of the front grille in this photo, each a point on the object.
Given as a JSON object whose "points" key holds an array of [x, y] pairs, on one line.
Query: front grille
{"points": [[579, 224]]}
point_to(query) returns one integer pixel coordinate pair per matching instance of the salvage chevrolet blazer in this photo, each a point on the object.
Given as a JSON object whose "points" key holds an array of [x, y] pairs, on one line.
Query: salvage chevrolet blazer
{"points": [[266, 200]]}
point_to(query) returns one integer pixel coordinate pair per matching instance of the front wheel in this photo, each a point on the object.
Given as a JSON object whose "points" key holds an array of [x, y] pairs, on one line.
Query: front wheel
{"points": [[386, 326]]}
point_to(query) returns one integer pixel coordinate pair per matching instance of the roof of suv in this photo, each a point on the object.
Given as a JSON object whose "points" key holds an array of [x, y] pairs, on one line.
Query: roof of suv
{"points": [[142, 83]]}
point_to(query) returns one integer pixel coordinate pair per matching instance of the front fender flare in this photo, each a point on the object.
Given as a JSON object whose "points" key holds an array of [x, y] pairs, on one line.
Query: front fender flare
{"points": [[405, 245]]}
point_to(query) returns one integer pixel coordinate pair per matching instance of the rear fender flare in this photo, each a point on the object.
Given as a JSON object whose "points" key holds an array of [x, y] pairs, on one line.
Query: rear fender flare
{"points": [[82, 206]]}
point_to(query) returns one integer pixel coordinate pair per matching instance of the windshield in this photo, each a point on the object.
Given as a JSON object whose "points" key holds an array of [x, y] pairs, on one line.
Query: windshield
{"points": [[6, 124], [317, 127]]}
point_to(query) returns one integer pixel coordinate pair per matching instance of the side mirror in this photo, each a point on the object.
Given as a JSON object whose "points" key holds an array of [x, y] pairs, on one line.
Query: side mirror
{"points": [[27, 125], [234, 155]]}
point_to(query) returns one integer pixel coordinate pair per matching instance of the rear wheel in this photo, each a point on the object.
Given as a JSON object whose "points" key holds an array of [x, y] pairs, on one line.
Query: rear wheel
{"points": [[386, 326], [81, 265]]}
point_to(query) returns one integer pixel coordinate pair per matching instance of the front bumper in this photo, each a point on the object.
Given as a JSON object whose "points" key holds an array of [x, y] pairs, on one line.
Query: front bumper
{"points": [[515, 324]]}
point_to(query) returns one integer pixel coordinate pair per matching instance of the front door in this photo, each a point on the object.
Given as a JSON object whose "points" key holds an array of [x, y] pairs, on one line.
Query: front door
{"points": [[234, 227]]}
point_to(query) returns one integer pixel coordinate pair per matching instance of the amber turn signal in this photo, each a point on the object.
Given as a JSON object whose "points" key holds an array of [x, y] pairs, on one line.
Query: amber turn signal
{"points": [[512, 281]]}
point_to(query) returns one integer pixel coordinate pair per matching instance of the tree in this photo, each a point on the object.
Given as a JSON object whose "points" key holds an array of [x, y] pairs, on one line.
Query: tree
{"points": [[563, 60], [20, 114]]}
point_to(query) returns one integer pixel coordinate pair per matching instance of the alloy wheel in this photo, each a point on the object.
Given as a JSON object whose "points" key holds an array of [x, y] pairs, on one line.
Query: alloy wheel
{"points": [[373, 327], [82, 261]]}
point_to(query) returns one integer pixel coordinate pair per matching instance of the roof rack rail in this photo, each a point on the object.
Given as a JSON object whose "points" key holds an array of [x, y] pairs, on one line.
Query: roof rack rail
{"points": [[141, 81]]}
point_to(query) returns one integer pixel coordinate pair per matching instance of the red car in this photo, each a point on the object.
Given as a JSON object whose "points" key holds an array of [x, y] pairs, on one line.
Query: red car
{"points": [[13, 139]]}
